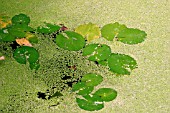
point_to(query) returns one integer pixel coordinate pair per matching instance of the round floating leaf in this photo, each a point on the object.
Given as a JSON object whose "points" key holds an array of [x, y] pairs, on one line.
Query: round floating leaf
{"points": [[91, 103], [48, 28], [131, 36], [110, 31], [5, 36], [19, 31], [121, 64], [97, 52], [31, 38], [92, 79], [89, 31], [21, 19], [70, 40], [106, 94], [82, 88], [26, 53]]}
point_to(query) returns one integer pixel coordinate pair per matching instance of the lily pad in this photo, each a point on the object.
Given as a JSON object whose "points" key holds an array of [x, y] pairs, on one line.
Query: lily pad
{"points": [[18, 30], [89, 31], [35, 65], [82, 88], [92, 79], [121, 64], [70, 40], [106, 94], [97, 52], [92, 103], [110, 31], [5, 36], [48, 28], [21, 19], [131, 36], [24, 53]]}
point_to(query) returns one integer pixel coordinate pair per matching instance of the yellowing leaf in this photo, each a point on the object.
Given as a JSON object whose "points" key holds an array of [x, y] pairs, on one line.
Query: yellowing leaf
{"points": [[23, 41], [89, 31], [4, 21]]}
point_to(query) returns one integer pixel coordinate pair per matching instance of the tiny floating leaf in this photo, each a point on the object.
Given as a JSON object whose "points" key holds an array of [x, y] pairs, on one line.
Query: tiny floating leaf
{"points": [[110, 31], [131, 36], [26, 53], [89, 31], [97, 52], [106, 94], [92, 79], [70, 40], [121, 64]]}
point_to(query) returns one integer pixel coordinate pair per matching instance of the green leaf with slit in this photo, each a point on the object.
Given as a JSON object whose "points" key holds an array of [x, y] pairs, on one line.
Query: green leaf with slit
{"points": [[20, 19], [48, 28], [121, 64], [70, 40], [110, 31], [24, 53], [106, 94], [89, 31], [90, 103], [82, 88], [131, 36], [92, 79], [97, 52]]}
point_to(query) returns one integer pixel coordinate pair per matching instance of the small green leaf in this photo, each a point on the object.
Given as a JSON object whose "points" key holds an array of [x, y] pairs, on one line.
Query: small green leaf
{"points": [[92, 103], [110, 31], [82, 88], [70, 40], [106, 94], [97, 52], [26, 53], [92, 79], [89, 31], [121, 64], [56, 94], [48, 28], [131, 36], [20, 19]]}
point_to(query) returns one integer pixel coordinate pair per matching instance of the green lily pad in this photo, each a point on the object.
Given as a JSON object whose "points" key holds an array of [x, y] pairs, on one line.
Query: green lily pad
{"points": [[97, 52], [82, 88], [110, 31], [121, 64], [131, 36], [48, 28], [70, 40], [89, 31], [18, 30], [5, 36], [92, 79], [92, 103], [21, 19], [26, 53], [106, 94]]}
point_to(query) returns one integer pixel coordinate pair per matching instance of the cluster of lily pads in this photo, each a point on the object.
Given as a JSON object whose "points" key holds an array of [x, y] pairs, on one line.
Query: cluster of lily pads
{"points": [[18, 30], [92, 101]]}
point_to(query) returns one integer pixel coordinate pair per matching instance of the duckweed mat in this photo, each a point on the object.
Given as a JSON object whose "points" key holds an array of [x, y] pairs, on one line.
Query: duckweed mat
{"points": [[145, 90]]}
